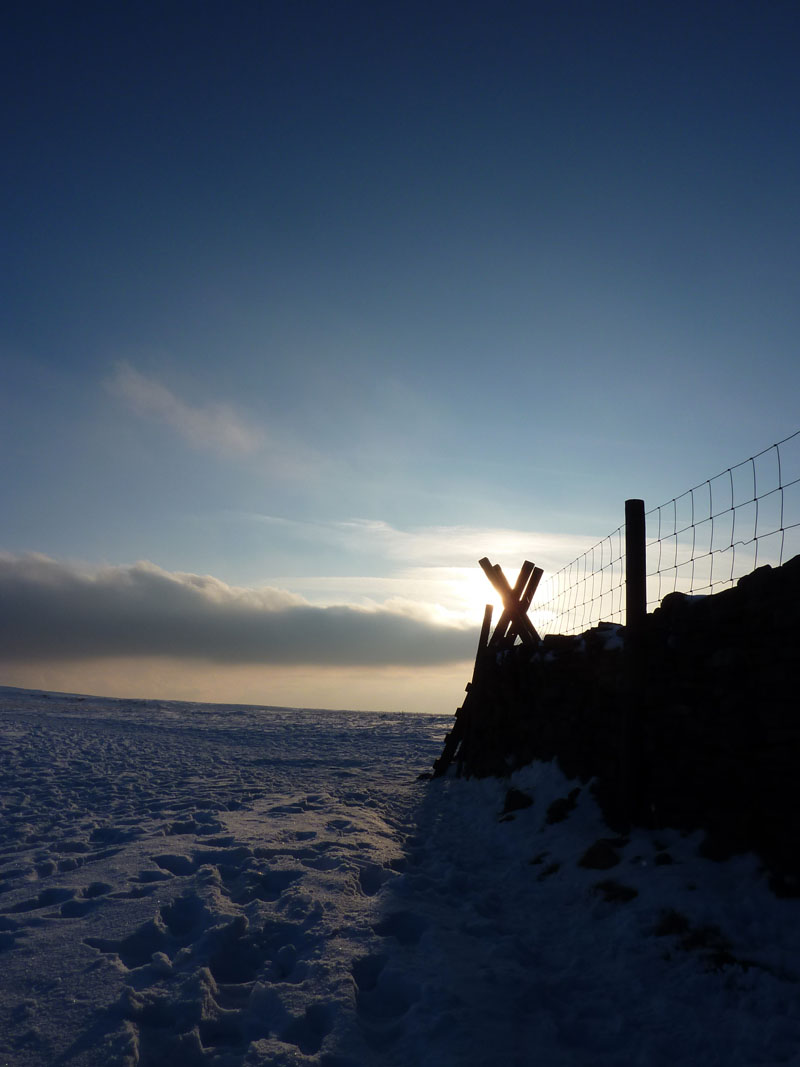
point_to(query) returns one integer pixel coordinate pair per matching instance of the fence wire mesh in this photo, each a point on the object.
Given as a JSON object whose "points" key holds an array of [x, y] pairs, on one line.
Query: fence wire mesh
{"points": [[709, 537], [590, 589], [700, 542]]}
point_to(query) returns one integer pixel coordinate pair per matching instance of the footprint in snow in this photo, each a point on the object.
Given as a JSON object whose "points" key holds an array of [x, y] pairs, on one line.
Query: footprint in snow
{"points": [[383, 998], [322, 862], [90, 897], [175, 863], [72, 846], [135, 950], [366, 971], [404, 926], [10, 932], [371, 879], [173, 927], [209, 990], [180, 828], [48, 898], [310, 1030], [344, 826], [149, 875], [263, 885], [227, 859]]}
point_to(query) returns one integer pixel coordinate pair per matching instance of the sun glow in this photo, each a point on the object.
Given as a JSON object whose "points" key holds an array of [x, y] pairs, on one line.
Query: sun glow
{"points": [[462, 593], [465, 591], [476, 592]]}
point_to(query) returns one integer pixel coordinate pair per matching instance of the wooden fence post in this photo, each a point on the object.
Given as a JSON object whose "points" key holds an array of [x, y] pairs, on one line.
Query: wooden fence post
{"points": [[632, 771], [635, 566]]}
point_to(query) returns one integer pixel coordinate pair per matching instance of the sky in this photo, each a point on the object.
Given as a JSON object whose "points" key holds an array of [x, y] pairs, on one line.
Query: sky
{"points": [[309, 306]]}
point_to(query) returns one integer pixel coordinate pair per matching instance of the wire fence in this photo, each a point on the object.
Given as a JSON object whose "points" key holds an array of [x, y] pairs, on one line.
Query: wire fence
{"points": [[587, 590], [700, 542]]}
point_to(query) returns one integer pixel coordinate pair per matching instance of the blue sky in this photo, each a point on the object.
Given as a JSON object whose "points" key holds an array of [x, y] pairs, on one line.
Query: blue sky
{"points": [[307, 306]]}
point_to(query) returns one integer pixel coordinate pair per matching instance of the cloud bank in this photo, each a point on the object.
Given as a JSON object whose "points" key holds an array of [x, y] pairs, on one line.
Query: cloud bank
{"points": [[58, 611]]}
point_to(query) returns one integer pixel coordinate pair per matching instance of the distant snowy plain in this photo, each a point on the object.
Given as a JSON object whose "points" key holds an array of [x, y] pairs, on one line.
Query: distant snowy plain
{"points": [[223, 885]]}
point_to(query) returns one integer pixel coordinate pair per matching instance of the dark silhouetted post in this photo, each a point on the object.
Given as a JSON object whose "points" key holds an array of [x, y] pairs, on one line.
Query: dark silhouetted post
{"points": [[635, 580], [632, 772]]}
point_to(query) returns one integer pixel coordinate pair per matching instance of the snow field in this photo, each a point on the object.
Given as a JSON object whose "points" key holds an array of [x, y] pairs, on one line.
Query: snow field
{"points": [[194, 885], [188, 884]]}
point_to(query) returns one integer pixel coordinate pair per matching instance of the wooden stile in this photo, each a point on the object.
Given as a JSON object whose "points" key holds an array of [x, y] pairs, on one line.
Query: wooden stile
{"points": [[525, 600], [512, 600], [513, 623]]}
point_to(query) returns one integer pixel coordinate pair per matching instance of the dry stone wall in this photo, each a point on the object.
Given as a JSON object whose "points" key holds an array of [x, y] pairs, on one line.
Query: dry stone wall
{"points": [[706, 734]]}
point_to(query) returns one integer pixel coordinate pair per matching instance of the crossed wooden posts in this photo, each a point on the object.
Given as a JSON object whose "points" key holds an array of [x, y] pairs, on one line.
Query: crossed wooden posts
{"points": [[514, 621], [512, 624]]}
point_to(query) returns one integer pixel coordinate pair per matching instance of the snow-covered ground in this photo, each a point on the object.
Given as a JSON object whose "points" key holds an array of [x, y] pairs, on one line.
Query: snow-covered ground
{"points": [[197, 884]]}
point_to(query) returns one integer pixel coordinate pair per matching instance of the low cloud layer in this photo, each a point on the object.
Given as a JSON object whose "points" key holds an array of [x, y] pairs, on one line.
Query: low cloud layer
{"points": [[56, 611]]}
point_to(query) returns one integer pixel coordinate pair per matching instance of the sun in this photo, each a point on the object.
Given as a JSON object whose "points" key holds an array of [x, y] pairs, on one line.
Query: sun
{"points": [[468, 591]]}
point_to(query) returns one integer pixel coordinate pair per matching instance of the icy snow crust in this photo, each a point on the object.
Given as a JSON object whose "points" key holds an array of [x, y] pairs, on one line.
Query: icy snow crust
{"points": [[196, 884]]}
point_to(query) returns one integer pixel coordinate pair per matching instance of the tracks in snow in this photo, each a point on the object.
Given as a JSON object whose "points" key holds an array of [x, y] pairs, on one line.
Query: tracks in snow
{"points": [[167, 892]]}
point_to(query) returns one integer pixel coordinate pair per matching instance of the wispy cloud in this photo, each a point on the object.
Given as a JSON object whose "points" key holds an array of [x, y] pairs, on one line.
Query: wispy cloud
{"points": [[427, 572], [54, 610], [217, 427], [449, 546], [428, 547]]}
